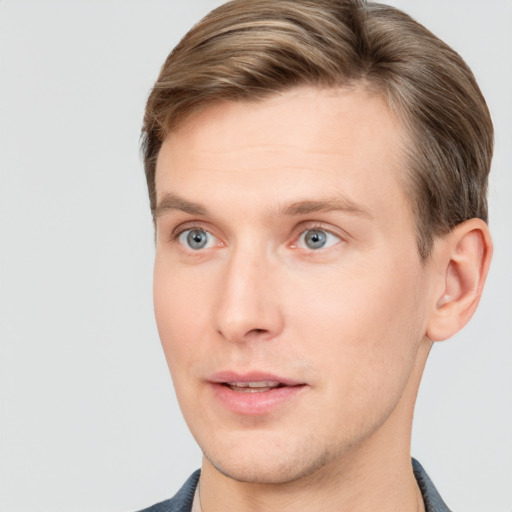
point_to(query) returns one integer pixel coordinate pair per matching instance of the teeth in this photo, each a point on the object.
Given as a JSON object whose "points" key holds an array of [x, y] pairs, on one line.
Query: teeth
{"points": [[259, 384], [252, 387]]}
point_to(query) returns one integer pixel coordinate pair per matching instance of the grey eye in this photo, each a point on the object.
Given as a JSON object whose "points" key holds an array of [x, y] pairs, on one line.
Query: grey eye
{"points": [[315, 239], [196, 239]]}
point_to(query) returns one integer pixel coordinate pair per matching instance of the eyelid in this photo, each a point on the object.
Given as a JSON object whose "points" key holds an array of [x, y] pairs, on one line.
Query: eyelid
{"points": [[330, 240], [190, 225], [296, 233], [319, 226], [209, 243], [182, 228]]}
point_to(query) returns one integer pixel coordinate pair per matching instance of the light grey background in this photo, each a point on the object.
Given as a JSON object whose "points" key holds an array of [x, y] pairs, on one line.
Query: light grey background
{"points": [[88, 419]]}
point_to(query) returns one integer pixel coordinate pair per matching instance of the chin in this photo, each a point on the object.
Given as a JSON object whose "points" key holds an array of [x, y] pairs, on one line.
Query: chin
{"points": [[270, 466]]}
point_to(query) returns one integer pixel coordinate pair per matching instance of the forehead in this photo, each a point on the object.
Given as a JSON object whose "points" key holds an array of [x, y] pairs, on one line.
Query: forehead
{"points": [[291, 113], [306, 142]]}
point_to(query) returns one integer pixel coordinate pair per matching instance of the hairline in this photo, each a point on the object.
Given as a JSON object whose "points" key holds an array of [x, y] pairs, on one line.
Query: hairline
{"points": [[408, 136]]}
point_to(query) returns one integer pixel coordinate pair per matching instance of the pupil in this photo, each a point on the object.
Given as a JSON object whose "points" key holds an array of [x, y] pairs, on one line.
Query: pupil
{"points": [[315, 239], [196, 239]]}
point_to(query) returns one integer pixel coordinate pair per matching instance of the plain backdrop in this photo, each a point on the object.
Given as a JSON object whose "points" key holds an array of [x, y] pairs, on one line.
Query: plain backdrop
{"points": [[88, 418]]}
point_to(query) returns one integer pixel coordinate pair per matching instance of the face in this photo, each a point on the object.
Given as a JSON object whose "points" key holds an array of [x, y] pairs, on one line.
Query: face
{"points": [[289, 295]]}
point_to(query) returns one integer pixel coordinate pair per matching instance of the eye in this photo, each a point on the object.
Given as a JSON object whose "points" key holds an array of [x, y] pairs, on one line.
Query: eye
{"points": [[196, 239], [315, 239]]}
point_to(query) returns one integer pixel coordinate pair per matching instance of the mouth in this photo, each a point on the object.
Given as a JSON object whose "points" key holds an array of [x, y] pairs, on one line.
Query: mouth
{"points": [[254, 393]]}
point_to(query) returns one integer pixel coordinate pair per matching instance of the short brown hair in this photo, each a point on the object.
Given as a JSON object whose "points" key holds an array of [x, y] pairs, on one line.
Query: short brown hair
{"points": [[247, 50]]}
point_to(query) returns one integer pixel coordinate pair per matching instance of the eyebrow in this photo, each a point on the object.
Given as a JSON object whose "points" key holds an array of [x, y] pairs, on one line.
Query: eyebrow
{"points": [[339, 203], [172, 202]]}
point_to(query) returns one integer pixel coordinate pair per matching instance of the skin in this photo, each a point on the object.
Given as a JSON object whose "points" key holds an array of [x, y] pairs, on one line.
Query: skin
{"points": [[352, 321]]}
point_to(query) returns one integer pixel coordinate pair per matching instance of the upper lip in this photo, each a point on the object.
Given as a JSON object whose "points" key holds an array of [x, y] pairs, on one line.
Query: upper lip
{"points": [[244, 379]]}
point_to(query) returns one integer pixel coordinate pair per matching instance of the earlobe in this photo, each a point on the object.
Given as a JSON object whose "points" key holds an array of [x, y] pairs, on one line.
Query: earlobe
{"points": [[464, 256]]}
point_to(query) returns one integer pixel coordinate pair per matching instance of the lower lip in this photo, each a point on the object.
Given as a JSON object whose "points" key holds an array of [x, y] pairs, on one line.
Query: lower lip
{"points": [[261, 402]]}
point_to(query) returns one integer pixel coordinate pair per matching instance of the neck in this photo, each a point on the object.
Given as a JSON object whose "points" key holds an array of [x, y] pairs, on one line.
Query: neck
{"points": [[373, 476]]}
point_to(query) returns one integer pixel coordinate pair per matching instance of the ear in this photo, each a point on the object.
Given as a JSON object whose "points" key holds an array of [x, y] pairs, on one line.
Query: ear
{"points": [[462, 259]]}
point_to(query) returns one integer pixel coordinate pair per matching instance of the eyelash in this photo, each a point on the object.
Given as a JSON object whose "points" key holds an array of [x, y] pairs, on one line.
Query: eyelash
{"points": [[316, 228], [177, 233]]}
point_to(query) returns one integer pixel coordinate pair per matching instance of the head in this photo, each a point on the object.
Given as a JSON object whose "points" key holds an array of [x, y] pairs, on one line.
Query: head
{"points": [[317, 174]]}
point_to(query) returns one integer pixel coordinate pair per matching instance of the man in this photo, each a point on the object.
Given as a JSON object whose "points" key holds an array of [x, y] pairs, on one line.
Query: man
{"points": [[317, 173]]}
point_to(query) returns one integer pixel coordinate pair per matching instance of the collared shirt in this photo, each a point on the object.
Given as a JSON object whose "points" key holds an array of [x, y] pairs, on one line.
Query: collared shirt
{"points": [[196, 504]]}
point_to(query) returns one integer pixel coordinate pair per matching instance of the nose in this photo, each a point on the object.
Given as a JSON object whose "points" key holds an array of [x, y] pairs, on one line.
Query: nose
{"points": [[248, 306]]}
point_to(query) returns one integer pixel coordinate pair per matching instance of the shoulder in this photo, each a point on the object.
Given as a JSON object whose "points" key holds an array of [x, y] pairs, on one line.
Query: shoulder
{"points": [[182, 501], [432, 499]]}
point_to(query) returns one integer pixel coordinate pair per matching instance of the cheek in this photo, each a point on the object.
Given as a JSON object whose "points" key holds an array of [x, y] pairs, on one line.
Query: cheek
{"points": [[181, 314], [364, 325]]}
